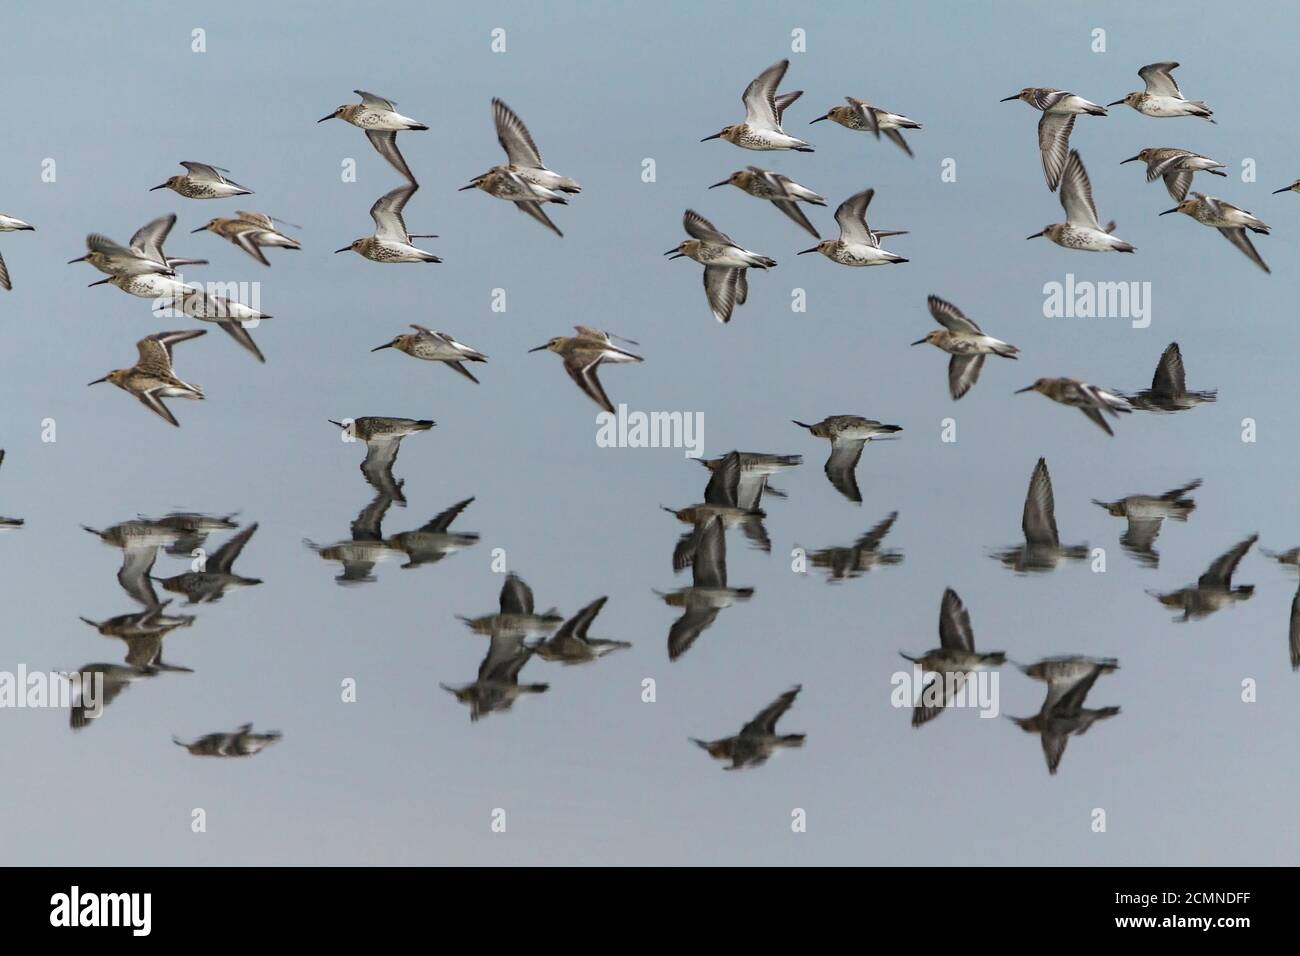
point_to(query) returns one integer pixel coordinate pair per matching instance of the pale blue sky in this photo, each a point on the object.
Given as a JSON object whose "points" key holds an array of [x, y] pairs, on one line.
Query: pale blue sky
{"points": [[587, 772]]}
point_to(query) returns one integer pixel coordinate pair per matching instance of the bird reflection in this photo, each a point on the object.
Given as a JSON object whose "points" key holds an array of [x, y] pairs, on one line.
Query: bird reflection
{"points": [[1168, 391], [242, 743], [434, 540], [755, 470], [1145, 514], [497, 686], [571, 645], [722, 500], [1213, 590], [110, 680], [217, 576], [1042, 550], [143, 634], [1069, 680], [193, 528], [138, 541], [708, 594], [860, 557], [428, 544], [758, 739], [516, 614]]}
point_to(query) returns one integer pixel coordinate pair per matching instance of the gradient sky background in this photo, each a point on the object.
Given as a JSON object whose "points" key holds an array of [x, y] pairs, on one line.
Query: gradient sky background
{"points": [[587, 773]]}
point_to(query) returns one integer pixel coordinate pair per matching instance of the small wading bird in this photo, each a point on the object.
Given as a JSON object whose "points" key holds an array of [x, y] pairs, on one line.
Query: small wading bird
{"points": [[1068, 679], [10, 224], [758, 739], [435, 347], [764, 108], [1059, 108], [1089, 399], [848, 435], [524, 180], [952, 662], [571, 645], [1213, 590], [144, 255], [1081, 229], [391, 242], [202, 181], [1146, 514], [383, 437], [857, 244], [242, 743], [1042, 550], [782, 191], [1231, 221], [726, 282], [251, 231], [516, 613], [961, 338], [1162, 97], [151, 379], [583, 354], [382, 123], [1176, 167], [861, 115]]}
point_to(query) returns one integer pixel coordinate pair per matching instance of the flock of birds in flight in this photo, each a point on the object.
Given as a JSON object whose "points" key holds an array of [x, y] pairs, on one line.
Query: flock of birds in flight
{"points": [[738, 481]]}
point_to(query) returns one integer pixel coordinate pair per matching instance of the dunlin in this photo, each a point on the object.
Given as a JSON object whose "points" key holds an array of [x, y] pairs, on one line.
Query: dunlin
{"points": [[1059, 108], [1081, 229], [251, 231], [116, 678], [193, 528], [435, 347], [143, 633], [763, 111], [8, 522], [1176, 167], [1290, 557], [726, 283], [1145, 514], [151, 379], [497, 686], [966, 342], [708, 593], [524, 180], [382, 123], [1089, 399], [1042, 550], [367, 547], [171, 294], [391, 242], [952, 662], [1069, 680], [242, 743], [848, 435], [583, 354], [139, 542], [1213, 590], [516, 614], [758, 739], [755, 469], [10, 224], [571, 645], [144, 254], [1162, 96], [860, 557], [860, 115], [857, 244], [782, 191], [721, 500], [1231, 221], [1168, 391], [434, 540], [218, 575], [202, 181], [383, 437]]}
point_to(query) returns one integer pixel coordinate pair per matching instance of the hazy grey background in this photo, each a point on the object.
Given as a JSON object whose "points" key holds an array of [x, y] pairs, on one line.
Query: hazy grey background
{"points": [[587, 772]]}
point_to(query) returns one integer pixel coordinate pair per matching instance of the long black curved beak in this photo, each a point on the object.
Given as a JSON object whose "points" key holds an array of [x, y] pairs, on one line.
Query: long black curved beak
{"points": [[674, 253], [1284, 189], [81, 259], [98, 380], [156, 188], [324, 118], [920, 342], [1027, 388], [1168, 211], [714, 136], [1008, 99], [100, 282], [1035, 235], [1116, 103], [344, 249], [1131, 159], [200, 229], [727, 182], [819, 119], [538, 349], [386, 345], [806, 251]]}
